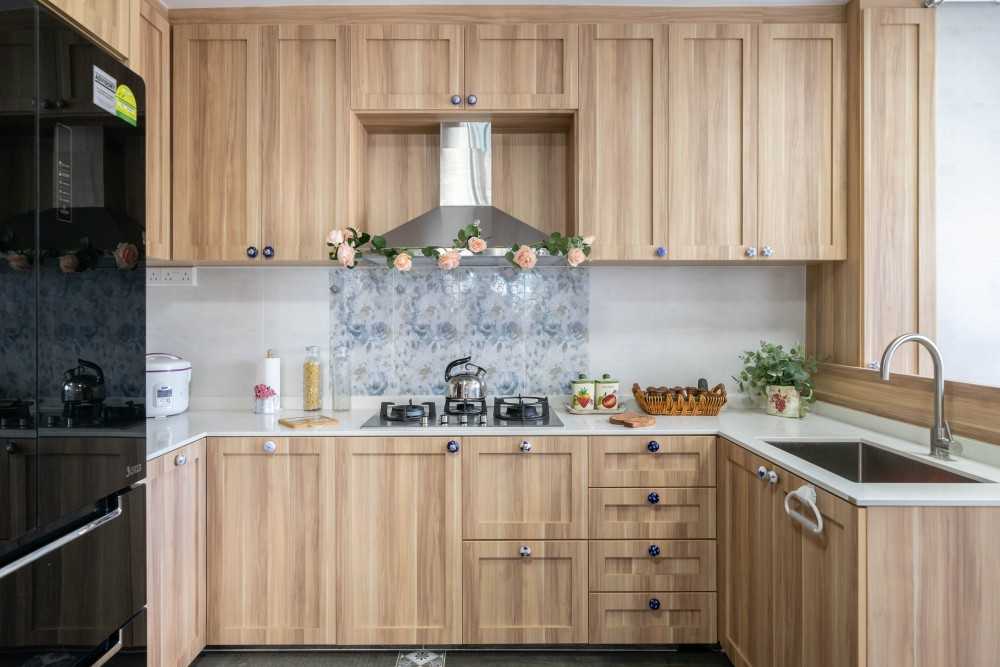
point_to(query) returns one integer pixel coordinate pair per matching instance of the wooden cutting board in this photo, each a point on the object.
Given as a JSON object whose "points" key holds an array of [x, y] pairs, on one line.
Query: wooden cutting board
{"points": [[633, 420], [312, 421]]}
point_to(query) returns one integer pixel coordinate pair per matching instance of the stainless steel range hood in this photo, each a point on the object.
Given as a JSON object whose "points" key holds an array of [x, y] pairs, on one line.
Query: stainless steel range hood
{"points": [[465, 198]]}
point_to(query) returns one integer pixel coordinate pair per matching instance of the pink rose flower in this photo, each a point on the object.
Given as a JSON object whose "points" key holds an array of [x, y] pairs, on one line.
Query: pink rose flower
{"points": [[345, 255], [403, 262], [19, 262], [336, 237], [69, 263], [575, 257], [525, 257], [126, 256], [449, 260], [476, 244]]}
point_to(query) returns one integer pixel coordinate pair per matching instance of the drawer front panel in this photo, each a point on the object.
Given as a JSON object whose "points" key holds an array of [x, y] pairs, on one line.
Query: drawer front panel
{"points": [[652, 461], [652, 565], [627, 514], [626, 618]]}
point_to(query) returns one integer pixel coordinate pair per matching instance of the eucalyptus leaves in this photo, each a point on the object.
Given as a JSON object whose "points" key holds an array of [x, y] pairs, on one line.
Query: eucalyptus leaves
{"points": [[773, 365]]}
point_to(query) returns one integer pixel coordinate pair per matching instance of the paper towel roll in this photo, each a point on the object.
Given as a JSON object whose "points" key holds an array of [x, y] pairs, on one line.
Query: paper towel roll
{"points": [[270, 372]]}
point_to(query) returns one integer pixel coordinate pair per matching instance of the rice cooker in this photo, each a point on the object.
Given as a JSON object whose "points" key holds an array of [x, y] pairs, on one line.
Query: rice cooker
{"points": [[168, 379]]}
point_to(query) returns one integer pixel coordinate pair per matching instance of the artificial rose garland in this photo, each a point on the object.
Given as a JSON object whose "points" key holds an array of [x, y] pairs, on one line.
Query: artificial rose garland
{"points": [[346, 244]]}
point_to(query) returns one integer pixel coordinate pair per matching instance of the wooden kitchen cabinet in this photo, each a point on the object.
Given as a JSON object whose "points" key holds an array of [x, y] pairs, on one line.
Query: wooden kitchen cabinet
{"points": [[525, 488], [621, 135], [271, 548], [652, 565], [176, 570], [652, 461], [652, 513], [525, 592], [652, 618], [110, 21], [399, 545], [521, 66]]}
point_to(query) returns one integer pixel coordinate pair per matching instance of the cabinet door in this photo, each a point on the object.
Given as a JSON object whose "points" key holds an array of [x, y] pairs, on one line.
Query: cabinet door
{"points": [[305, 131], [629, 618], [271, 521], [177, 569], [216, 131], [629, 514], [816, 582], [746, 510], [522, 66], [536, 490], [622, 137], [803, 142], [153, 63], [525, 592], [406, 66], [712, 141], [400, 541], [652, 461], [108, 20]]}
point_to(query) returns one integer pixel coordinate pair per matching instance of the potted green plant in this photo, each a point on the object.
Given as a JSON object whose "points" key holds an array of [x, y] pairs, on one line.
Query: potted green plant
{"points": [[780, 377]]}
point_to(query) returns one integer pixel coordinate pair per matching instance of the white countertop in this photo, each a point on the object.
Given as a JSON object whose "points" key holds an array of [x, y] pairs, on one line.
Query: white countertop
{"points": [[749, 428]]}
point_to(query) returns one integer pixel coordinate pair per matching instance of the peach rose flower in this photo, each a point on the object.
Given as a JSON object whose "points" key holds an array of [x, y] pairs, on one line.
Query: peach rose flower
{"points": [[525, 257], [18, 262], [588, 240], [403, 262], [336, 237], [126, 256], [476, 244], [449, 260], [575, 257], [69, 263], [345, 255]]}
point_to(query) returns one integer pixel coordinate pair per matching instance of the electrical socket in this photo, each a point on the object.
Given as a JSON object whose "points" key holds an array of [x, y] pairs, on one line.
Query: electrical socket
{"points": [[186, 276]]}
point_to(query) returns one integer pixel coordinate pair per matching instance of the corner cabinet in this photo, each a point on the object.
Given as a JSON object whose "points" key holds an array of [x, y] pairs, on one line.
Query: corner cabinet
{"points": [[110, 21]]}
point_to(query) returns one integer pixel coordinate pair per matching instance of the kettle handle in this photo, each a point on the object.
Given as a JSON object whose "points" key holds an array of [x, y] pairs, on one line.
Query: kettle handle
{"points": [[91, 364], [457, 362]]}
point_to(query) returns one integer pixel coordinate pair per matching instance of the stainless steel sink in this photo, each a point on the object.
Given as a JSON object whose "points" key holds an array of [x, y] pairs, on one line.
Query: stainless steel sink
{"points": [[866, 463]]}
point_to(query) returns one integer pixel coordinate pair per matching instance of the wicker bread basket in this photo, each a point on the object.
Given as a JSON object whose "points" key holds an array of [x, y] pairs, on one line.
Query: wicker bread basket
{"points": [[680, 401]]}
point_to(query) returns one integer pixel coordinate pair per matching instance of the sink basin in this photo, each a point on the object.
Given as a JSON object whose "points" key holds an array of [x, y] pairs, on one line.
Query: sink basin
{"points": [[868, 464]]}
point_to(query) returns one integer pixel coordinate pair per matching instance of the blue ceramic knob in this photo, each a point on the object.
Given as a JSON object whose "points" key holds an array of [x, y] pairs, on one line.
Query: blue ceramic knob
{"points": [[654, 550], [653, 497], [453, 446], [661, 252], [653, 446], [654, 604]]}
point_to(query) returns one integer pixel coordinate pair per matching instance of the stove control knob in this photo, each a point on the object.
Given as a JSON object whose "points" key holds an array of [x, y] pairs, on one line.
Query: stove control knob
{"points": [[443, 420], [654, 604], [483, 421], [453, 446], [653, 498], [525, 551], [270, 447], [654, 550], [525, 446], [424, 420], [653, 446], [463, 420]]}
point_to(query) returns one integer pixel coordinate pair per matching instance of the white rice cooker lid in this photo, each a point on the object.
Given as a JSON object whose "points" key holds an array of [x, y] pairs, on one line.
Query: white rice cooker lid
{"points": [[159, 362]]}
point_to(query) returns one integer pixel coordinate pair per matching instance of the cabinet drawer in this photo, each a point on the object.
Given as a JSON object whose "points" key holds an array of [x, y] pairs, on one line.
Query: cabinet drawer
{"points": [[652, 461], [627, 618], [628, 514], [652, 565], [514, 491], [536, 597]]}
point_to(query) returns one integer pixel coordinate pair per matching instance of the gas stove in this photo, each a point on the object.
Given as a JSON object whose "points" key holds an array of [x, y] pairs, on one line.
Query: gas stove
{"points": [[507, 411]]}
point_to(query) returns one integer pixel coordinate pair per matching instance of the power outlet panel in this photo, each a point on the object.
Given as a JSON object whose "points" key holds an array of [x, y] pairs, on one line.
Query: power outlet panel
{"points": [[186, 276]]}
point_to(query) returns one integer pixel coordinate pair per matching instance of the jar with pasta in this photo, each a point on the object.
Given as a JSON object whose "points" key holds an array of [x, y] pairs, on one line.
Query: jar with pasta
{"points": [[312, 395]]}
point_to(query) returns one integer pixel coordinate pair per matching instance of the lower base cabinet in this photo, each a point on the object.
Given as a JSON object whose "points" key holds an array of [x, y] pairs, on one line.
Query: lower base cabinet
{"points": [[652, 618], [530, 592]]}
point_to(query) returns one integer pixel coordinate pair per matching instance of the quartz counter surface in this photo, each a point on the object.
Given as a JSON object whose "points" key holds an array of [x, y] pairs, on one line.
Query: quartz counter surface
{"points": [[749, 428]]}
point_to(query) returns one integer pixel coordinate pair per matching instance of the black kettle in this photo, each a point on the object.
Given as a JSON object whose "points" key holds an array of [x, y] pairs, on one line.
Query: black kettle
{"points": [[83, 384]]}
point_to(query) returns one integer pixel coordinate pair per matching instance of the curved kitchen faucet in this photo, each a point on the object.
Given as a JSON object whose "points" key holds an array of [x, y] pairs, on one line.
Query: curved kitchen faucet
{"points": [[941, 440]]}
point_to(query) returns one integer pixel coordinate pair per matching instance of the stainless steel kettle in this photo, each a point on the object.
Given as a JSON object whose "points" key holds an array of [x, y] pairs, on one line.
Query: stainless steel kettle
{"points": [[468, 384], [85, 383]]}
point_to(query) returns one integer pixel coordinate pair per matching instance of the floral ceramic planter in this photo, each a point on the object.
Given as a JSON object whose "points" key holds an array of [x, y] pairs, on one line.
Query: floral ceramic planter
{"points": [[783, 401]]}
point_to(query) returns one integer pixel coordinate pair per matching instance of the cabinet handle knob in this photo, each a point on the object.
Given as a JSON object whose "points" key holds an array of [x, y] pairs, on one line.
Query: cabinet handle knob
{"points": [[767, 251], [268, 252], [772, 477], [471, 100], [11, 447], [653, 446], [453, 446], [251, 251], [653, 498], [761, 473], [751, 251], [654, 604], [525, 551], [180, 460], [456, 99], [270, 447], [525, 446], [654, 550], [661, 251]]}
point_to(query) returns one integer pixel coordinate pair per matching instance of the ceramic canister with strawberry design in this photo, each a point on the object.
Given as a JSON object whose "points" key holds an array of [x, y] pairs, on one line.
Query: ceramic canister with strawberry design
{"points": [[606, 393], [583, 393]]}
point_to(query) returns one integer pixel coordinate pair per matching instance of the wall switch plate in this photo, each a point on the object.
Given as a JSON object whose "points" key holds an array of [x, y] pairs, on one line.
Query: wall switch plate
{"points": [[186, 276]]}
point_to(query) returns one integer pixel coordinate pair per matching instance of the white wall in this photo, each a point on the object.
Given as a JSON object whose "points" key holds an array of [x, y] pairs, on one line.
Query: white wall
{"points": [[968, 190]]}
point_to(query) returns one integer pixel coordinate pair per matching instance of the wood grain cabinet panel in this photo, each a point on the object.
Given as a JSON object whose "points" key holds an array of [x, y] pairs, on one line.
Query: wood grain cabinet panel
{"points": [[621, 139], [216, 140], [522, 66], [803, 141], [626, 618], [176, 556], [712, 141], [271, 522], [625, 514], [407, 66], [652, 461], [525, 592], [511, 492], [399, 546], [108, 20], [652, 565]]}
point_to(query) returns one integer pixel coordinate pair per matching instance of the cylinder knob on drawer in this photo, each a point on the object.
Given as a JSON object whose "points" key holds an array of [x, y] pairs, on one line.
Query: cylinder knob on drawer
{"points": [[525, 551], [654, 550], [654, 604], [525, 446], [453, 446], [653, 498], [653, 446], [270, 447]]}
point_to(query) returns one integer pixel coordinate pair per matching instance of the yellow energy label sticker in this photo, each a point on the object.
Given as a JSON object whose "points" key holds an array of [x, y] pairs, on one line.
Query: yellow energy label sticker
{"points": [[125, 106]]}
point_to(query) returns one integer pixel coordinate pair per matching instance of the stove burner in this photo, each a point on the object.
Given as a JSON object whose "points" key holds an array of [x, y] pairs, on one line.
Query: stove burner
{"points": [[15, 413], [465, 406], [406, 412], [521, 408]]}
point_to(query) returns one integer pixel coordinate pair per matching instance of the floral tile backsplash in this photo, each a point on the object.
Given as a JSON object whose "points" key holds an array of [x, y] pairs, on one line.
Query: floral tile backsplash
{"points": [[528, 329]]}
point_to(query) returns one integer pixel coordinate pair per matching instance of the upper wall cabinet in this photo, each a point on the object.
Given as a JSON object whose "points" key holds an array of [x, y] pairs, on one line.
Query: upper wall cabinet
{"points": [[712, 141], [522, 66], [411, 66], [803, 141], [108, 20]]}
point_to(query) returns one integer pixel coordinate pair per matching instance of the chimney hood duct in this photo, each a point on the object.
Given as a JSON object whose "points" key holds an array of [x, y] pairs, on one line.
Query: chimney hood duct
{"points": [[466, 198]]}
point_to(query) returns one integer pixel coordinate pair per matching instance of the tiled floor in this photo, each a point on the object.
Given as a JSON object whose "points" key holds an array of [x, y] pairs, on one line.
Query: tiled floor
{"points": [[695, 658]]}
